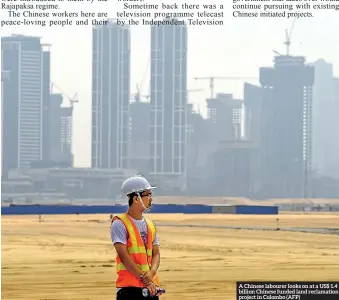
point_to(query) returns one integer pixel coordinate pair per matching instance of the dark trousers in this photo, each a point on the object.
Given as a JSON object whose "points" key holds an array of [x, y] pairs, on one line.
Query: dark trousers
{"points": [[133, 293]]}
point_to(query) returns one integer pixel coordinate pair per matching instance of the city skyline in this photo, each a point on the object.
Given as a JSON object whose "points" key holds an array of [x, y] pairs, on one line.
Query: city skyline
{"points": [[278, 113], [246, 61]]}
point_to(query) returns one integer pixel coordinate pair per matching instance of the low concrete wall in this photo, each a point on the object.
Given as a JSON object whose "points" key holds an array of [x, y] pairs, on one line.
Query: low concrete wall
{"points": [[116, 209], [100, 209], [245, 209], [223, 209]]}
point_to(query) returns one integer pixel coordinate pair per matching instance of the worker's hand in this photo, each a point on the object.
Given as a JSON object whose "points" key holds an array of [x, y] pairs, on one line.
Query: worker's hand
{"points": [[152, 288], [148, 277], [159, 293]]}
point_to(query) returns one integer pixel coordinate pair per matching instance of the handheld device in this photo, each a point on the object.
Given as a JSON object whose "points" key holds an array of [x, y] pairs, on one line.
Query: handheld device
{"points": [[145, 292]]}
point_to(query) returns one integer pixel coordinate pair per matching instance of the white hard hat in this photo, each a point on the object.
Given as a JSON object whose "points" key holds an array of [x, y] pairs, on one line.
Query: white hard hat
{"points": [[135, 184]]}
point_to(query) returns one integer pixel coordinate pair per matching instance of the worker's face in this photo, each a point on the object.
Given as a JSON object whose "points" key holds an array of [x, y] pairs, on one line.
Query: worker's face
{"points": [[146, 198]]}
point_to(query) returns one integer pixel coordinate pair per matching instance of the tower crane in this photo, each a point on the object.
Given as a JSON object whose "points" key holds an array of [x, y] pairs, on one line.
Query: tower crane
{"points": [[71, 100], [212, 78], [194, 90], [137, 96], [288, 40], [288, 37]]}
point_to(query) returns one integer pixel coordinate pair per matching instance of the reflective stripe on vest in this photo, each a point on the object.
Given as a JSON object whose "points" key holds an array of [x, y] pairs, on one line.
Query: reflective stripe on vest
{"points": [[141, 255]]}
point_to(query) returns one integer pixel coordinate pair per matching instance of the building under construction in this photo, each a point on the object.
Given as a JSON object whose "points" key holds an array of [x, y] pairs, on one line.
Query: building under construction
{"points": [[139, 136], [233, 169], [61, 126], [201, 146], [225, 112], [253, 111], [231, 159], [66, 127], [285, 143]]}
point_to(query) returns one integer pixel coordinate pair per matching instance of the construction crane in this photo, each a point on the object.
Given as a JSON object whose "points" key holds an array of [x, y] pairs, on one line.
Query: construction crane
{"points": [[137, 96], [71, 100], [288, 40], [194, 90], [212, 78], [289, 37]]}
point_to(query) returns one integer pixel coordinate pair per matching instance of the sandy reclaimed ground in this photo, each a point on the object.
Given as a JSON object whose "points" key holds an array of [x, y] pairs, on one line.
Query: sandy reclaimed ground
{"points": [[71, 257]]}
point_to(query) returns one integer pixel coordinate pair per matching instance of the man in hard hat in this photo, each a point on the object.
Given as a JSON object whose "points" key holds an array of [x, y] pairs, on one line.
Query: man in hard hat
{"points": [[136, 242]]}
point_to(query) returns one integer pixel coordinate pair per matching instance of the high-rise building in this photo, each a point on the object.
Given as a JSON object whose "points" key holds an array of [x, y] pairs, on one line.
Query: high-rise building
{"points": [[225, 112], [201, 146], [336, 89], [139, 149], [46, 71], [253, 104], [168, 119], [66, 118], [325, 141], [60, 135], [4, 77], [25, 101], [285, 144], [110, 95], [335, 127], [232, 163], [253, 114], [54, 127]]}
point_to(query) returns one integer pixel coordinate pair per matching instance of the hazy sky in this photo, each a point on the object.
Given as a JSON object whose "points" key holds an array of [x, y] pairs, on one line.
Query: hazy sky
{"points": [[238, 48]]}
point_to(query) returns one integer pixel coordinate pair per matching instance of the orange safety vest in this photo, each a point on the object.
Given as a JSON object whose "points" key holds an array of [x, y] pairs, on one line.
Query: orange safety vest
{"points": [[136, 248]]}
